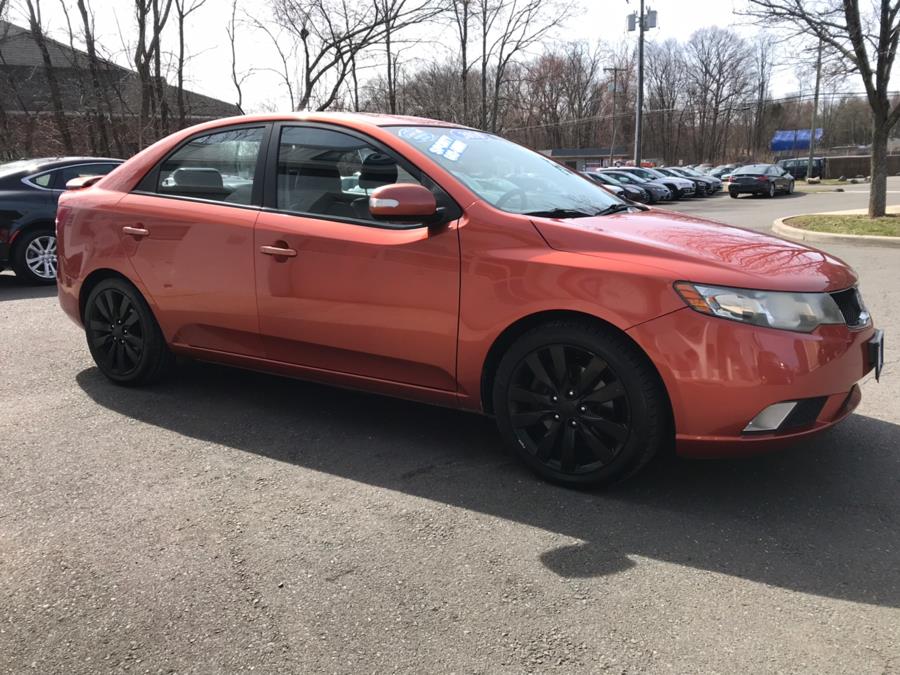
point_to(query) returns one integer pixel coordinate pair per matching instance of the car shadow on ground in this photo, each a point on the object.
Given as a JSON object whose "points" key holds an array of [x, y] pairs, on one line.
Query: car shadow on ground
{"points": [[821, 518], [13, 288]]}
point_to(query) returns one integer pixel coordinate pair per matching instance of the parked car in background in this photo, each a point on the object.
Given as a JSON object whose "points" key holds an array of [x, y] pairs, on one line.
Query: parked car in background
{"points": [[798, 167], [475, 274], [29, 190], [679, 187], [713, 184], [657, 191], [613, 189], [632, 192], [702, 187], [723, 171], [760, 179], [700, 168]]}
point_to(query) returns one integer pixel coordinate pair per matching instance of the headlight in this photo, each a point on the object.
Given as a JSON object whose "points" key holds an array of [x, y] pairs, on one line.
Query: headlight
{"points": [[802, 312]]}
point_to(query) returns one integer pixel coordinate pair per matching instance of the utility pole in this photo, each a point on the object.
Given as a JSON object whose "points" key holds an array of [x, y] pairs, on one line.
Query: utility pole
{"points": [[815, 111], [612, 144], [642, 21]]}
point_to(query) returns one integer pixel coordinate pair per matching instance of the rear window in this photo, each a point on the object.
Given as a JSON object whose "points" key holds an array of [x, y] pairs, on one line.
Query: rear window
{"points": [[753, 168]]}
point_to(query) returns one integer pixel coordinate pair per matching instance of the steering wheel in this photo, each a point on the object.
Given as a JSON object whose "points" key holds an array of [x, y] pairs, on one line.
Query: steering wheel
{"points": [[513, 194]]}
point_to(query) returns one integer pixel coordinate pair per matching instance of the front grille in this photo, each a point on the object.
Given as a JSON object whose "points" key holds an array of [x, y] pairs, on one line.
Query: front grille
{"points": [[851, 307]]}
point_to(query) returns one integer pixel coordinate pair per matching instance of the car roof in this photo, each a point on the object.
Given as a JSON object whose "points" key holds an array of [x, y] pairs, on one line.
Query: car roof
{"points": [[357, 119], [37, 164]]}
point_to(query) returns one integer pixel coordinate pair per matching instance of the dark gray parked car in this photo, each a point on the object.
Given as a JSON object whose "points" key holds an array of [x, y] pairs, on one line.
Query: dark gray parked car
{"points": [[760, 179], [29, 190]]}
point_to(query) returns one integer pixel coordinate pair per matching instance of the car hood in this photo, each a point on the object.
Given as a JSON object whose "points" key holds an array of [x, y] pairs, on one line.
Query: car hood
{"points": [[685, 248]]}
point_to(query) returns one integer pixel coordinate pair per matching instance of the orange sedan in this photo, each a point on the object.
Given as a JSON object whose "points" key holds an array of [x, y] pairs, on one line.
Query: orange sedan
{"points": [[425, 260]]}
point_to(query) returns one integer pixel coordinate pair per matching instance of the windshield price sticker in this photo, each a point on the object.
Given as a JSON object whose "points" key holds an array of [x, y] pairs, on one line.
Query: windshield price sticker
{"points": [[447, 148]]}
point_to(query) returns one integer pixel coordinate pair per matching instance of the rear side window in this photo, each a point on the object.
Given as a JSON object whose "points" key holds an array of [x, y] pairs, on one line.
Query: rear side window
{"points": [[218, 167], [43, 180], [331, 174], [63, 176]]}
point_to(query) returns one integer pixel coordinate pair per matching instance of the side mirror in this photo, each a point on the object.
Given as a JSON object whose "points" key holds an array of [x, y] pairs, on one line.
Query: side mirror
{"points": [[81, 182], [403, 202]]}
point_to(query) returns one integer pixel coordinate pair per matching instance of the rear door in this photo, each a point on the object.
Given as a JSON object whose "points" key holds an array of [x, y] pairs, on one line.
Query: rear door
{"points": [[351, 294], [188, 229]]}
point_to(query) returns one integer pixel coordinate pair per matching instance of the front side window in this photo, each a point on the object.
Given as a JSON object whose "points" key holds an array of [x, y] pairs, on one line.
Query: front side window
{"points": [[218, 167], [506, 175], [331, 174]]}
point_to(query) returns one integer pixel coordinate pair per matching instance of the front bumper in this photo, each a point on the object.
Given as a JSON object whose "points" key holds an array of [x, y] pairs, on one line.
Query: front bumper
{"points": [[721, 374]]}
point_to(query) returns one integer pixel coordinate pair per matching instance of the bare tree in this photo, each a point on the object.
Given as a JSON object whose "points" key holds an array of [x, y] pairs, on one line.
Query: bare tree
{"points": [[151, 17], [35, 25], [461, 12], [867, 43], [183, 10], [666, 84], [237, 79]]}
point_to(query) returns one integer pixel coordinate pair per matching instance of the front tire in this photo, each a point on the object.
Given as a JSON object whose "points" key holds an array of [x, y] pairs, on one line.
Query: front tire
{"points": [[34, 257], [580, 404], [123, 335]]}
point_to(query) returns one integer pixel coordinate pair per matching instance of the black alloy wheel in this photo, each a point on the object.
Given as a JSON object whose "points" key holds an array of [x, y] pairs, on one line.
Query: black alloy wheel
{"points": [[123, 335], [579, 404]]}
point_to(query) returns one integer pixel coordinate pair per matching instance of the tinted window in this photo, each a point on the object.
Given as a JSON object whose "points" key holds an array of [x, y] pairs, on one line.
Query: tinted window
{"points": [[331, 174], [63, 176], [43, 180], [752, 169], [219, 167]]}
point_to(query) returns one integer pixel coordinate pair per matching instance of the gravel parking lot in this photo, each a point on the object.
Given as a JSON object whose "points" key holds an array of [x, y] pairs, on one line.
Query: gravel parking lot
{"points": [[229, 521]]}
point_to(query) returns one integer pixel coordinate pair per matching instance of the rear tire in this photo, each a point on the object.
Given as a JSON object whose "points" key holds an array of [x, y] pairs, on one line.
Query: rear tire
{"points": [[580, 404], [123, 335], [771, 192], [34, 256], [734, 195]]}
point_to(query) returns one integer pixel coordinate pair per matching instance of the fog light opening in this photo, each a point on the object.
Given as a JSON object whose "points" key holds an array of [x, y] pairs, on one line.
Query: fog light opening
{"points": [[771, 418]]}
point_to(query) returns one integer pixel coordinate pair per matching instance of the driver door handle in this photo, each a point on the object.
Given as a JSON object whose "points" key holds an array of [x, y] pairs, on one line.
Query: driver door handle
{"points": [[136, 231], [278, 251]]}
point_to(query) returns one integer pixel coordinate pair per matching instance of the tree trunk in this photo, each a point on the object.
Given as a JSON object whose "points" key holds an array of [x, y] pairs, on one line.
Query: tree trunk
{"points": [[59, 115], [878, 169]]}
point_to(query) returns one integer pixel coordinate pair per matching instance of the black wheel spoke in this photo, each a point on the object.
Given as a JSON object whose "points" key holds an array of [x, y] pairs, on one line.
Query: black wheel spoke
{"points": [[130, 353], [558, 357], [567, 449], [548, 442], [589, 376], [539, 372], [522, 395], [132, 319], [598, 448], [101, 308], [612, 429], [124, 305], [609, 392], [527, 419]]}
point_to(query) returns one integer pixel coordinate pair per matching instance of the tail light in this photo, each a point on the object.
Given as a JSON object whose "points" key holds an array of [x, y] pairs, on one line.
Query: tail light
{"points": [[762, 179]]}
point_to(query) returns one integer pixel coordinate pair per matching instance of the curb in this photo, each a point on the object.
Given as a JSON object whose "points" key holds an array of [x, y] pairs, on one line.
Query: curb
{"points": [[796, 233]]}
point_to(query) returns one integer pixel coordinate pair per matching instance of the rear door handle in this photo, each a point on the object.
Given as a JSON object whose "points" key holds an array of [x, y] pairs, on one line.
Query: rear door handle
{"points": [[278, 251], [135, 231]]}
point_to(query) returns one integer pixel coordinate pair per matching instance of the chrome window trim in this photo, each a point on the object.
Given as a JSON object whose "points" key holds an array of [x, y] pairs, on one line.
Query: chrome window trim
{"points": [[27, 180]]}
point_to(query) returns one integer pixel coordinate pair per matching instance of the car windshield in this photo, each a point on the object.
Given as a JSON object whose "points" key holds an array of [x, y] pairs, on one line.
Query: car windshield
{"points": [[752, 169], [506, 175]]}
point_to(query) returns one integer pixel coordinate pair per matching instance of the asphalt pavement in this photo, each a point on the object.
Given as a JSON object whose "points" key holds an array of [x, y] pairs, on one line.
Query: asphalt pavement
{"points": [[227, 521]]}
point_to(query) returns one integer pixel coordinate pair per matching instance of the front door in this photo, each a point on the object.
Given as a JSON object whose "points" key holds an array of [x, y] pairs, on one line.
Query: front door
{"points": [[336, 289], [188, 230]]}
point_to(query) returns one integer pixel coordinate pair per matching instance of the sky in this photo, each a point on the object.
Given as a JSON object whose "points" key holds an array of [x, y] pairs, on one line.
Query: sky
{"points": [[208, 71]]}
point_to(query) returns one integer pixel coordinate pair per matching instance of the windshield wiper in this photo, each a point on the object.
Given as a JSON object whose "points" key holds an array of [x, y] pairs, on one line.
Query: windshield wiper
{"points": [[560, 213], [618, 208]]}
